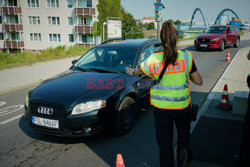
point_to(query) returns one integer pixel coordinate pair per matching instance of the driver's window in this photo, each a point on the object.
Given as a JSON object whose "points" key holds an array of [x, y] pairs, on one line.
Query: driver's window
{"points": [[145, 54]]}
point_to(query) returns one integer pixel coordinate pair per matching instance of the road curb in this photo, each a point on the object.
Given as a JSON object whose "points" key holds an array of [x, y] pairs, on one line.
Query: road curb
{"points": [[212, 93], [19, 88]]}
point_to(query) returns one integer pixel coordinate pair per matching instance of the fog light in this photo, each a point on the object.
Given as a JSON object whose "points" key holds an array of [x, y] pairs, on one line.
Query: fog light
{"points": [[87, 130]]}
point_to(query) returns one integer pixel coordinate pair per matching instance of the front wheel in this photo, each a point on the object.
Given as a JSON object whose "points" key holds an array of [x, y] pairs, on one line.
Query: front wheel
{"points": [[236, 45], [222, 45], [125, 117]]}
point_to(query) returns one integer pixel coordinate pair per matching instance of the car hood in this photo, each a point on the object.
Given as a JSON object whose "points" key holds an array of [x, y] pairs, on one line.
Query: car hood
{"points": [[210, 36], [72, 87]]}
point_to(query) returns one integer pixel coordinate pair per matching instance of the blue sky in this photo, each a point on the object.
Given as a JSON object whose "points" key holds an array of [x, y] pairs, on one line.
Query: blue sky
{"points": [[183, 9]]}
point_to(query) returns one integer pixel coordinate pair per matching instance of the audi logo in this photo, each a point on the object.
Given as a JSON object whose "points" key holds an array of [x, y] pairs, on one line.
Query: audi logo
{"points": [[45, 110]]}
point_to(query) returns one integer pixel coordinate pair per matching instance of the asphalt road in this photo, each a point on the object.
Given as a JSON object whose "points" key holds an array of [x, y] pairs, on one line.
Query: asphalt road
{"points": [[22, 146]]}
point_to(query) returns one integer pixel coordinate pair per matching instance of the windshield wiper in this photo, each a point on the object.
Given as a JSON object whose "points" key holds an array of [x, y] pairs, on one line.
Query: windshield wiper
{"points": [[101, 70], [79, 68]]}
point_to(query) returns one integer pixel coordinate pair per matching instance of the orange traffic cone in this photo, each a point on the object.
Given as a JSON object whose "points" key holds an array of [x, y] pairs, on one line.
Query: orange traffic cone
{"points": [[224, 103], [228, 57], [119, 161]]}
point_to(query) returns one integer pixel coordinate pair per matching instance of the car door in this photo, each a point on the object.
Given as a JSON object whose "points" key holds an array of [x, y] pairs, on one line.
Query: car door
{"points": [[234, 35], [229, 35], [143, 85]]}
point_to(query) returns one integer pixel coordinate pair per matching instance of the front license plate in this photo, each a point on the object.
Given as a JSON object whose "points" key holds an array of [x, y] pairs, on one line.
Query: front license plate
{"points": [[203, 45], [45, 122]]}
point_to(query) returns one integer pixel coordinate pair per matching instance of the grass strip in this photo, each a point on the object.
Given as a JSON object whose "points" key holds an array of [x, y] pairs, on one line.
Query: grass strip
{"points": [[10, 60]]}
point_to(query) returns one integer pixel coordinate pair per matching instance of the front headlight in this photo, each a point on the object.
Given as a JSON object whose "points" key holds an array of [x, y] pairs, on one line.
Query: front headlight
{"points": [[88, 106], [27, 100], [216, 39]]}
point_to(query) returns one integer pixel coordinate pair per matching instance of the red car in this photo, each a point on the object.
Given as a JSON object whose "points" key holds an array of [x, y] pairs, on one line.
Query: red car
{"points": [[218, 37]]}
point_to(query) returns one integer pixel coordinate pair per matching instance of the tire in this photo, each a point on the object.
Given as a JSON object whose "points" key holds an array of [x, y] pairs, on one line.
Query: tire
{"points": [[236, 45], [125, 117], [222, 45]]}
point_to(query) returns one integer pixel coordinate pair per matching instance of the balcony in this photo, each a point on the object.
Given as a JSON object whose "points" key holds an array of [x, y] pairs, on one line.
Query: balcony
{"points": [[13, 44], [84, 29], [84, 11], [12, 27], [10, 10]]}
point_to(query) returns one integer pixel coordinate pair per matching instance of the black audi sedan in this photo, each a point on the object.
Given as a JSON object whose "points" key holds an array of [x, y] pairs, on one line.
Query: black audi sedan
{"points": [[94, 91]]}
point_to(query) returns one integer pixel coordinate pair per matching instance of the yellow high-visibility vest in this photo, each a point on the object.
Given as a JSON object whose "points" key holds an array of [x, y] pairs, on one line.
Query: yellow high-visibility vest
{"points": [[173, 92]]}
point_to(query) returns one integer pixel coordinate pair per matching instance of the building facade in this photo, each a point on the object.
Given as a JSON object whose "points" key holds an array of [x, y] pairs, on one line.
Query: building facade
{"points": [[34, 25]]}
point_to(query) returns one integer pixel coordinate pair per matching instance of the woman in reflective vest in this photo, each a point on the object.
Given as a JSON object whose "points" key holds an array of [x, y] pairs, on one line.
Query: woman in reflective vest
{"points": [[171, 97]]}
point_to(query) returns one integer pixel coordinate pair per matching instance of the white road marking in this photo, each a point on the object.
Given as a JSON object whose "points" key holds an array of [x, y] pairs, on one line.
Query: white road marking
{"points": [[11, 119], [2, 103], [9, 110]]}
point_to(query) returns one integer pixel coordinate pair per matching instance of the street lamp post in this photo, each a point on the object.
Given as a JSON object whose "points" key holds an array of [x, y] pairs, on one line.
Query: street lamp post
{"points": [[158, 15], [103, 31]]}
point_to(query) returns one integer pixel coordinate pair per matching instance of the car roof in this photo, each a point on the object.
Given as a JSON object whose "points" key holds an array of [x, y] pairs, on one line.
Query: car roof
{"points": [[136, 43]]}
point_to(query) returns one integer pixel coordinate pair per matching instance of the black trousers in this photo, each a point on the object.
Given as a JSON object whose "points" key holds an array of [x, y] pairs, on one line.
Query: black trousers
{"points": [[164, 120]]}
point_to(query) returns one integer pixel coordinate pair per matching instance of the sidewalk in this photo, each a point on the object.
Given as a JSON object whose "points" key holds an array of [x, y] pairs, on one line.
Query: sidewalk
{"points": [[217, 136]]}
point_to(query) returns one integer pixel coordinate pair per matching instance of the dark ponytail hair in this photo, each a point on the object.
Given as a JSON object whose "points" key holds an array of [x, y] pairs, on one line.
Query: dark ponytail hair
{"points": [[169, 39]]}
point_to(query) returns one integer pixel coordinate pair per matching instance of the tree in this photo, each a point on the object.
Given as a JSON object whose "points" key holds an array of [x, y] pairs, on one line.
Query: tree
{"points": [[170, 21], [151, 26], [107, 8], [140, 26], [113, 8], [95, 32], [177, 22], [129, 27]]}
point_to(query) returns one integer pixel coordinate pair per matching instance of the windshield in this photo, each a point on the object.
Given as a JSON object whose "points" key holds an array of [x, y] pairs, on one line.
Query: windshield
{"points": [[108, 59], [216, 30]]}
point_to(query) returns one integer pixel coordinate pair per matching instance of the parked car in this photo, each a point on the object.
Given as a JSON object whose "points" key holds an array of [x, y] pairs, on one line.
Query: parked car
{"points": [[94, 91], [218, 37]]}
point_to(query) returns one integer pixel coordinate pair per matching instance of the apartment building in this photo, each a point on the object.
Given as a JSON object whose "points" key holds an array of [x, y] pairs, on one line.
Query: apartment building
{"points": [[34, 25]]}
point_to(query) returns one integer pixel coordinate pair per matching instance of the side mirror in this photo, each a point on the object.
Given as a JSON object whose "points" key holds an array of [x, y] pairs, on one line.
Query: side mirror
{"points": [[229, 32], [203, 31], [74, 62]]}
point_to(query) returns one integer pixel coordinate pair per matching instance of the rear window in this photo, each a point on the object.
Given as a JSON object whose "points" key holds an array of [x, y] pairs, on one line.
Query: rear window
{"points": [[216, 30]]}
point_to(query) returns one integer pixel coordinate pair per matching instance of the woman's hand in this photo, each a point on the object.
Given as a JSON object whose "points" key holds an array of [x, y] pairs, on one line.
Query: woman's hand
{"points": [[130, 71]]}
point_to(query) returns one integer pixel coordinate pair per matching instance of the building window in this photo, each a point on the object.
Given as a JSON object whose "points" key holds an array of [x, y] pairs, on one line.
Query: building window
{"points": [[83, 21], [52, 4], [89, 3], [54, 20], [71, 38], [12, 19], [34, 20], [1, 36], [70, 3], [35, 37], [84, 39], [33, 3], [1, 20], [13, 36], [10, 3], [70, 21], [55, 37]]}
